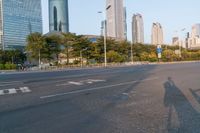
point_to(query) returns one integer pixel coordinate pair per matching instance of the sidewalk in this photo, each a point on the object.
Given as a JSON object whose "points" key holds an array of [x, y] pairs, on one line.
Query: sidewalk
{"points": [[92, 67]]}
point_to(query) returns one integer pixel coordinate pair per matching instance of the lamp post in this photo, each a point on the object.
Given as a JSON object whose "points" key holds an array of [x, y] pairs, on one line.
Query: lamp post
{"points": [[132, 53], [105, 45], [182, 32], [81, 56], [181, 41], [39, 60]]}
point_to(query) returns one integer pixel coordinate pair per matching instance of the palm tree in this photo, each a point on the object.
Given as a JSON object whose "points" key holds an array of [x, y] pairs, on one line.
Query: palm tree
{"points": [[67, 40], [35, 44]]}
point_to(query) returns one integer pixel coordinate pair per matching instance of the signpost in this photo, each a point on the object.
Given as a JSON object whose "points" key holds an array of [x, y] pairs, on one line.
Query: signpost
{"points": [[159, 51]]}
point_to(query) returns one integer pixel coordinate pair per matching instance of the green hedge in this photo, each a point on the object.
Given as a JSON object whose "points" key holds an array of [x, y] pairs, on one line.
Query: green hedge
{"points": [[1, 66], [7, 66]]}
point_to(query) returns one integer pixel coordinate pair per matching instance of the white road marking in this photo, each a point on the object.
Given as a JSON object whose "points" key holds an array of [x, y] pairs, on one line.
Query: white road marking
{"points": [[12, 91], [96, 80], [24, 89], [125, 94], [88, 81], [97, 88], [75, 83], [62, 84], [1, 92]]}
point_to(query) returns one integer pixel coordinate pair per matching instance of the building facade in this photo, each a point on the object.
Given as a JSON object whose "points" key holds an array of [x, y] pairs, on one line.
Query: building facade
{"points": [[137, 29], [194, 40], [125, 24], [157, 34], [18, 18], [58, 16], [195, 30], [115, 19], [175, 41]]}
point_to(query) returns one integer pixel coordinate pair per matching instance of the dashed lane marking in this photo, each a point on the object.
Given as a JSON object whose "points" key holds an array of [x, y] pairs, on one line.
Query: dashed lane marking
{"points": [[75, 83]]}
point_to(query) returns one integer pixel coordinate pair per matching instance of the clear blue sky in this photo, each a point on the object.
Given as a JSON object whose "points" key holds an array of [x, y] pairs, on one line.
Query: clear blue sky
{"points": [[172, 14]]}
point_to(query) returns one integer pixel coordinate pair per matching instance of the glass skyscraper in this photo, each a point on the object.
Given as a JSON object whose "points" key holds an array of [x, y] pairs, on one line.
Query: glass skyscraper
{"points": [[58, 16], [18, 18]]}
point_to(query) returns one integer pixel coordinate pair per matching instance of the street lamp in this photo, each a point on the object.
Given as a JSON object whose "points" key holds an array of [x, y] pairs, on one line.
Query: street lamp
{"points": [[39, 60], [105, 45], [132, 53], [180, 41], [81, 56]]}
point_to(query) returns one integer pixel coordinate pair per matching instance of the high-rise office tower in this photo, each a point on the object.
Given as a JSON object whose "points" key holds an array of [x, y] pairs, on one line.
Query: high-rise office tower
{"points": [[115, 19], [175, 41], [125, 24], [58, 16], [157, 34], [187, 40], [137, 29], [194, 40], [196, 30], [18, 18]]}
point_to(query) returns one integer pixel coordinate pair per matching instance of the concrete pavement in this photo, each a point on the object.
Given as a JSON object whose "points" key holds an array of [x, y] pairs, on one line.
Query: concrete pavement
{"points": [[139, 99]]}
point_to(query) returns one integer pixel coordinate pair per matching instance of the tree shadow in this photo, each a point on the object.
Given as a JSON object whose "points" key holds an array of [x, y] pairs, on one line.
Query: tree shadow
{"points": [[187, 118]]}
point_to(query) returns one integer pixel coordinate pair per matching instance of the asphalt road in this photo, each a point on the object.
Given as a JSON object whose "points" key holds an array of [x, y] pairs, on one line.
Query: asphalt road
{"points": [[133, 99]]}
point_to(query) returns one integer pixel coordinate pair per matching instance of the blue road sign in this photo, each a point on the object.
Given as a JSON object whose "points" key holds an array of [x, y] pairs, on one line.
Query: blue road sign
{"points": [[159, 50]]}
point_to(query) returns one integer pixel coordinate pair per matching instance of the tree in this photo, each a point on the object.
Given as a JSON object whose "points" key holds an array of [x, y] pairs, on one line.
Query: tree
{"points": [[113, 56], [67, 40], [81, 44], [153, 57], [144, 56], [12, 56], [168, 55], [36, 46], [53, 46]]}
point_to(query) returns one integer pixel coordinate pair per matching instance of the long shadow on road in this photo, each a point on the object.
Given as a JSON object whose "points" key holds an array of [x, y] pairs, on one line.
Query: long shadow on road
{"points": [[188, 119], [91, 112]]}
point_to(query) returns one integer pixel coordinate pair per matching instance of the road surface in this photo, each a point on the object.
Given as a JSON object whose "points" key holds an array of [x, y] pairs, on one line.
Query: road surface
{"points": [[132, 99]]}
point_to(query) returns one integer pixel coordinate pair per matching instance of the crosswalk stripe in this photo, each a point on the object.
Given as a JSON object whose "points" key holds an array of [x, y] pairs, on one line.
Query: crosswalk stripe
{"points": [[25, 89]]}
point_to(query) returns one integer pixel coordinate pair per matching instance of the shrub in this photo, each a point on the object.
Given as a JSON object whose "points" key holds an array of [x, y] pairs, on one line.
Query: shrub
{"points": [[9, 66], [1, 66]]}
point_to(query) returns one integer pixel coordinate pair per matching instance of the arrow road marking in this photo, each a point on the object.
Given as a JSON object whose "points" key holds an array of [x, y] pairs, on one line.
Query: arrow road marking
{"points": [[97, 88], [88, 81]]}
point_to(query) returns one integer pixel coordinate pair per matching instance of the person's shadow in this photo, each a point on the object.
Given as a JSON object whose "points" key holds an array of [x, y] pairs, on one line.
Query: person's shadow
{"points": [[178, 105]]}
